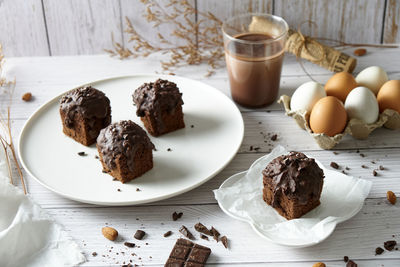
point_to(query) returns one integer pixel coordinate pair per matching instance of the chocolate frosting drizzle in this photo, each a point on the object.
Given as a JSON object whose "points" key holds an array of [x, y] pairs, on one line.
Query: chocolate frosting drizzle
{"points": [[122, 138], [295, 175], [89, 102], [155, 98]]}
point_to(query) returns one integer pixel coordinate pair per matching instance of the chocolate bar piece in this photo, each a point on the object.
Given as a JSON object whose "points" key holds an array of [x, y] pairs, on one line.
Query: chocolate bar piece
{"points": [[187, 254]]}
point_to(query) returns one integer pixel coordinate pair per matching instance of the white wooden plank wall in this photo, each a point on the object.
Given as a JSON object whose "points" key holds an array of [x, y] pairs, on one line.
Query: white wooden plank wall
{"points": [[76, 27]]}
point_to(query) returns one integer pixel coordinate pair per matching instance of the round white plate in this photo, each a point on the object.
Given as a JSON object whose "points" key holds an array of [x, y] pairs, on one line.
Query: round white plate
{"points": [[240, 197], [197, 153]]}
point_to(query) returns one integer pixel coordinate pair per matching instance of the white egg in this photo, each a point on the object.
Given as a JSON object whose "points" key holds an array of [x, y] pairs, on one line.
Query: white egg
{"points": [[306, 95], [373, 78], [361, 104]]}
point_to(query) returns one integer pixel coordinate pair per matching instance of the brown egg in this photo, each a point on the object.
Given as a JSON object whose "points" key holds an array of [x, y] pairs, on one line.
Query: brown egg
{"points": [[389, 96], [328, 116], [340, 85]]}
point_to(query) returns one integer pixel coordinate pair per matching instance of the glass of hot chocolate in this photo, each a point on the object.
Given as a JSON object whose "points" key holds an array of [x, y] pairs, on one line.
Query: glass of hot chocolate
{"points": [[254, 48]]}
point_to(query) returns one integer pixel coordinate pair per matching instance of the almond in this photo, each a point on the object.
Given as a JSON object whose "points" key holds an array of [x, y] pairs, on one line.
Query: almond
{"points": [[360, 52], [319, 264], [27, 97], [109, 233], [391, 197]]}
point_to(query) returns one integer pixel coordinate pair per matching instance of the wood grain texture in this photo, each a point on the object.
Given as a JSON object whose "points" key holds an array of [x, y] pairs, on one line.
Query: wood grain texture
{"points": [[135, 11], [392, 21], [355, 21], [78, 27], [22, 28]]}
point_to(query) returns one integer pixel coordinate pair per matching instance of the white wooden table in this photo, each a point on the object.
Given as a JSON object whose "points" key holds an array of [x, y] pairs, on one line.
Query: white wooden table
{"points": [[357, 238]]}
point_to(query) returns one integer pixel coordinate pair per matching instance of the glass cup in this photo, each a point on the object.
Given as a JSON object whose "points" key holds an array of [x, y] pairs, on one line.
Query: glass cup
{"points": [[254, 49]]}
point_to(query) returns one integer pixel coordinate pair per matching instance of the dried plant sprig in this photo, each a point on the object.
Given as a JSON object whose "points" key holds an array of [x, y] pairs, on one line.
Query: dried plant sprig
{"points": [[6, 140], [201, 40]]}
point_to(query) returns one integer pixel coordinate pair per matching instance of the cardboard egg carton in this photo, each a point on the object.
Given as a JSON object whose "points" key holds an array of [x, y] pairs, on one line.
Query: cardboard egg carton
{"points": [[358, 129]]}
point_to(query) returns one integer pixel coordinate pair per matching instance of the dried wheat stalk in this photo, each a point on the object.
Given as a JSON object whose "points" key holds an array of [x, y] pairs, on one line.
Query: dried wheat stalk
{"points": [[6, 140], [202, 42]]}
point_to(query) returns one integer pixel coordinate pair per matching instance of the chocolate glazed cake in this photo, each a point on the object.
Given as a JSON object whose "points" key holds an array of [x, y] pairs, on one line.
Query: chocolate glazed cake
{"points": [[125, 150], [159, 105], [292, 184], [84, 112]]}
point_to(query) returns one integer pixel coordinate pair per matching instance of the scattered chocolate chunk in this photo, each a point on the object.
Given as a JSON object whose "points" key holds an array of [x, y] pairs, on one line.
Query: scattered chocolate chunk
{"points": [[129, 244], [94, 254], [167, 234], [274, 137], [381, 168], [345, 258], [139, 234], [82, 154], [379, 251], [334, 165], [186, 232], [27, 97], [204, 237], [351, 263], [187, 253], [169, 149], [199, 227], [389, 245], [362, 155], [176, 216], [224, 241], [364, 167], [374, 173], [215, 233]]}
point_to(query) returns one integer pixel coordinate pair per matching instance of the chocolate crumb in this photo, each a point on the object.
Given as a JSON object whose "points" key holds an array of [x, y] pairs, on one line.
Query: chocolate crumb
{"points": [[167, 234], [347, 168], [364, 167], [82, 154], [137, 189], [251, 148], [373, 162], [351, 263], [335, 153], [215, 233], [379, 251], [257, 148], [186, 232], [274, 137], [176, 216], [362, 155], [204, 237], [199, 227], [381, 168], [334, 165], [94, 254], [129, 244], [192, 126], [224, 241], [119, 190], [169, 149], [344, 172], [103, 171], [374, 173], [389, 245], [96, 157], [345, 258], [139, 234]]}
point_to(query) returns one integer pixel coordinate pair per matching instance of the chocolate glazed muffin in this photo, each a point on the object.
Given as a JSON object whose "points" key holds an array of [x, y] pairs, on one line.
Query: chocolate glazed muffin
{"points": [[125, 150], [84, 112], [159, 106], [292, 184]]}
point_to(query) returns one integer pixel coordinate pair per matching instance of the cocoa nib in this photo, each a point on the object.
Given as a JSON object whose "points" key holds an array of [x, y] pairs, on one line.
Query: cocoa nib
{"points": [[176, 216], [139, 234], [129, 244], [167, 234], [186, 232], [224, 241], [199, 227], [334, 165], [379, 251], [215, 233]]}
